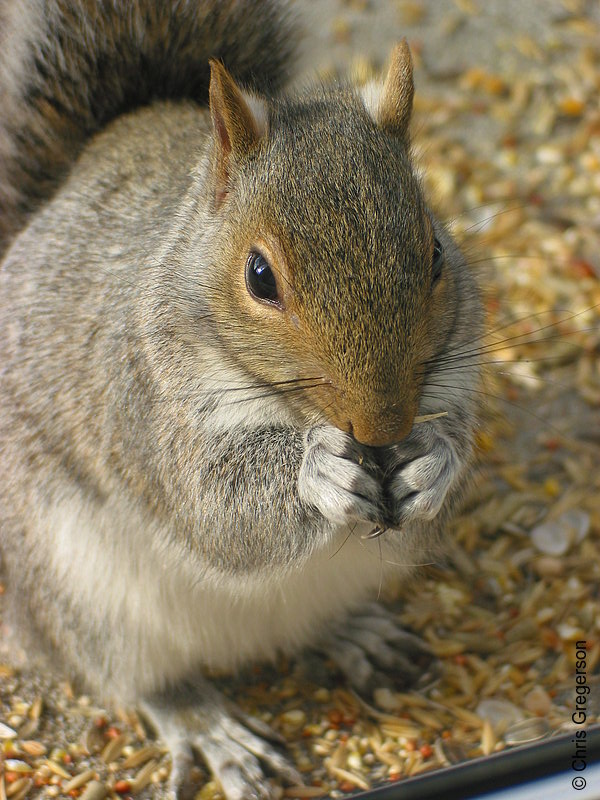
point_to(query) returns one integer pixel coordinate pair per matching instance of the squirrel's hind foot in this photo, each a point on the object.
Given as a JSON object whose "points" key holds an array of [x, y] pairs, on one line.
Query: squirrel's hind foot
{"points": [[200, 720], [372, 651]]}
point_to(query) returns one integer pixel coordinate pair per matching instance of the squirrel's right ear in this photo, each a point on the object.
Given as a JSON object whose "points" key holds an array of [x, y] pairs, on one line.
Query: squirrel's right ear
{"points": [[390, 103], [239, 122]]}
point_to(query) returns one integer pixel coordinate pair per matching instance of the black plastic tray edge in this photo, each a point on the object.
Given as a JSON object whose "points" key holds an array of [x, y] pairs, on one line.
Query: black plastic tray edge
{"points": [[494, 772]]}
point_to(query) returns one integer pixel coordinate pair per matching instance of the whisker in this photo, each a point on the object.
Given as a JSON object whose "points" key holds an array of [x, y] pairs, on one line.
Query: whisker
{"points": [[501, 399], [538, 378], [456, 352], [380, 587], [275, 393], [461, 364], [383, 560], [500, 346], [207, 394], [350, 532], [521, 377], [494, 331], [482, 222], [318, 380], [500, 256], [490, 203]]}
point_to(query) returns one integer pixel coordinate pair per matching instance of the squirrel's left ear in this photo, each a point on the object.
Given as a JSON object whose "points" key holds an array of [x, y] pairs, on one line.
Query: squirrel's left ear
{"points": [[239, 122], [390, 103]]}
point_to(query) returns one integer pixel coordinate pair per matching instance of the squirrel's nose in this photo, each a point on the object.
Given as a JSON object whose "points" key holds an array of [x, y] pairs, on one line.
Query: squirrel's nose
{"points": [[382, 431]]}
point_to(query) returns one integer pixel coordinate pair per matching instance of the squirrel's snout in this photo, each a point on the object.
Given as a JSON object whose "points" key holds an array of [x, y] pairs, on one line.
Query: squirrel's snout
{"points": [[373, 419], [378, 432]]}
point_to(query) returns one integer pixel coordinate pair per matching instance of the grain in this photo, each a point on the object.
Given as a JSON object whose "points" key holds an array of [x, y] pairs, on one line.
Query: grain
{"points": [[6, 732], [346, 776], [95, 790], [144, 776], [19, 787], [57, 769], [139, 757], [115, 747]]}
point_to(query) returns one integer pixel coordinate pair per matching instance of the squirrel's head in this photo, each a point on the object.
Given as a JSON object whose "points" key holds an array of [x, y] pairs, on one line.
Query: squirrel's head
{"points": [[335, 267]]}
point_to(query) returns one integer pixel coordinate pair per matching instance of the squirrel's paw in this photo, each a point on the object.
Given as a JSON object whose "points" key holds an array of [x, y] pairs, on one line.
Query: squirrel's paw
{"points": [[230, 742], [335, 477], [420, 471], [372, 651]]}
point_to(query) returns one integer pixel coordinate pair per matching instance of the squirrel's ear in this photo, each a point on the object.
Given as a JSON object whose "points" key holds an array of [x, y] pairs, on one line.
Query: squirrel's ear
{"points": [[239, 121], [390, 103]]}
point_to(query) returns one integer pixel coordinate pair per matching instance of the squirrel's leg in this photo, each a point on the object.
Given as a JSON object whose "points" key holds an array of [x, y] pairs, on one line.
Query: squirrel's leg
{"points": [[372, 650], [197, 717]]}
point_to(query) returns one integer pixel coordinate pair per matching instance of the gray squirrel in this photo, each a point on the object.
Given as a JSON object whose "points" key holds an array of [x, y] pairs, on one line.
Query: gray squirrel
{"points": [[218, 324]]}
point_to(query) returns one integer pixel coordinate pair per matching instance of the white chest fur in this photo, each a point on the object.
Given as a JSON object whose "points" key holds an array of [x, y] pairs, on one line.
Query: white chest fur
{"points": [[164, 615]]}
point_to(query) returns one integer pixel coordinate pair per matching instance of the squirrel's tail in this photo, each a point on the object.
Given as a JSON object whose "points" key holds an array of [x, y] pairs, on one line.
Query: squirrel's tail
{"points": [[67, 67]]}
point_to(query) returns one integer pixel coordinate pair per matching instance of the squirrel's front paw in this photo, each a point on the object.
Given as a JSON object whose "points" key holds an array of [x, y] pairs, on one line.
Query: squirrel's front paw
{"points": [[419, 473], [335, 477]]}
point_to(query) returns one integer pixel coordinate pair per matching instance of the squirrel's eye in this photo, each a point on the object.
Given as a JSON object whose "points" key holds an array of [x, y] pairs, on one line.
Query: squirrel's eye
{"points": [[260, 280], [437, 262]]}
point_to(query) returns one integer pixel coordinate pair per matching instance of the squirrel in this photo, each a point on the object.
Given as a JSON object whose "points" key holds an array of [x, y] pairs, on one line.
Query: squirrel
{"points": [[235, 385]]}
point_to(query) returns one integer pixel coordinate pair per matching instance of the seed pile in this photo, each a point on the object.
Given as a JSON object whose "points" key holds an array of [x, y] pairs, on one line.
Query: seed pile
{"points": [[511, 156]]}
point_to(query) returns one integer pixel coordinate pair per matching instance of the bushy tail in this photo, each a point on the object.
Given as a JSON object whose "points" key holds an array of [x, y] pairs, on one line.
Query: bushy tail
{"points": [[67, 67]]}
